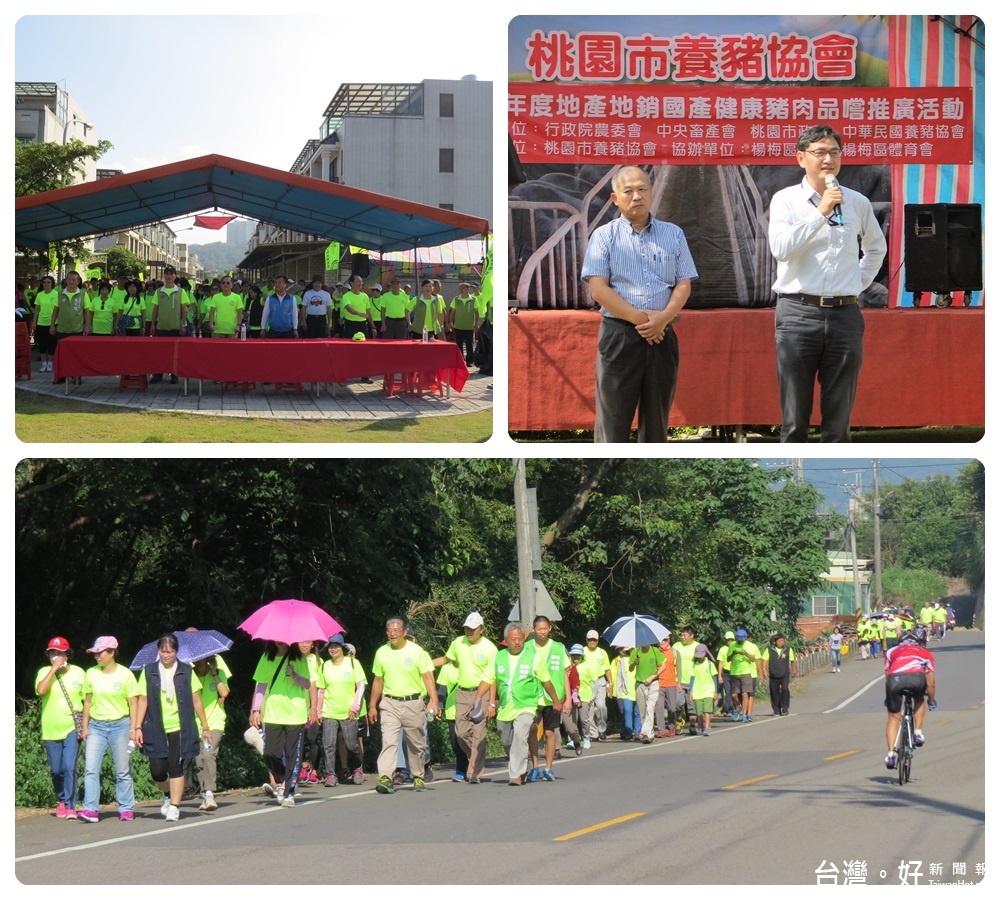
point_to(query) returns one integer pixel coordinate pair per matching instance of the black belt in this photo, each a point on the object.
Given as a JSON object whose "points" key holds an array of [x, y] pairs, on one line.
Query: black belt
{"points": [[813, 300], [473, 688], [406, 698]]}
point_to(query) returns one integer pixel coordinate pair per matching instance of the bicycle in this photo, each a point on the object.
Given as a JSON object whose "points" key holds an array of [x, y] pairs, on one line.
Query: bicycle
{"points": [[905, 744], [904, 739]]}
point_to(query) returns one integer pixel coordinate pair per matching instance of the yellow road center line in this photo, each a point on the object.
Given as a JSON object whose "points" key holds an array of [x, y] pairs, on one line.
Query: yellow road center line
{"points": [[840, 755], [729, 787], [599, 826]]}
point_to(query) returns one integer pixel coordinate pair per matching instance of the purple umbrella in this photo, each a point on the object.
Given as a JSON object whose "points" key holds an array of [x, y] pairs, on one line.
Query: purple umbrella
{"points": [[191, 646]]}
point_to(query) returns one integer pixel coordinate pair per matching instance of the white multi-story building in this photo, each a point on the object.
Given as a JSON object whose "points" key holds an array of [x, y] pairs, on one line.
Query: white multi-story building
{"points": [[427, 142], [45, 113]]}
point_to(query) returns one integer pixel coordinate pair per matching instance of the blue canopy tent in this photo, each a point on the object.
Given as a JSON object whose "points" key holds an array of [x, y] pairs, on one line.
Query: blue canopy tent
{"points": [[377, 222]]}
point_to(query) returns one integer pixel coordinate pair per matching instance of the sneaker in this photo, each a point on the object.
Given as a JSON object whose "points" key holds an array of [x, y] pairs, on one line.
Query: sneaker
{"points": [[126, 815], [707, 732], [918, 739], [744, 718], [548, 775], [270, 790], [398, 778], [89, 815], [458, 776], [661, 734], [209, 802], [165, 805], [173, 813], [586, 743], [384, 785], [736, 715], [287, 802], [514, 782], [646, 739], [671, 732], [579, 749], [70, 812], [61, 811], [418, 783], [692, 729], [330, 781], [890, 761], [570, 745], [535, 775], [428, 773]]}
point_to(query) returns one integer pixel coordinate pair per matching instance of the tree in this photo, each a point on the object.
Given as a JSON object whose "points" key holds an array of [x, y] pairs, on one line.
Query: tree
{"points": [[121, 259], [971, 539], [47, 166]]}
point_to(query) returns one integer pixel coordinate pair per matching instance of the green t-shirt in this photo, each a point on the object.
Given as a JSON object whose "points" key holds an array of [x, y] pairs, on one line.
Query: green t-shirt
{"points": [[464, 311], [44, 304], [215, 711], [361, 303], [71, 307], [425, 313], [133, 306], [168, 705], [704, 681], [647, 663], [285, 703], [723, 657], [339, 684], [586, 689], [597, 662], [448, 679], [519, 680], [402, 670], [226, 311], [109, 694], [394, 305], [743, 658], [472, 659], [102, 314], [556, 659], [57, 718], [684, 656]]}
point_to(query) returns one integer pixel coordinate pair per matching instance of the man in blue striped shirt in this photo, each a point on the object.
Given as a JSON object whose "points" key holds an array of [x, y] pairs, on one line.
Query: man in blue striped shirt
{"points": [[639, 271]]}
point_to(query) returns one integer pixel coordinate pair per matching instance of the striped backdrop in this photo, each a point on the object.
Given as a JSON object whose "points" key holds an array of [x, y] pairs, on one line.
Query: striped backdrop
{"points": [[924, 52]]}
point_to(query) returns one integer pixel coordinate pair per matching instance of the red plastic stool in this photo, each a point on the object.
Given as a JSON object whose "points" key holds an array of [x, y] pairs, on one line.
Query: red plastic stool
{"points": [[280, 386], [398, 381], [132, 381], [246, 386], [429, 382]]}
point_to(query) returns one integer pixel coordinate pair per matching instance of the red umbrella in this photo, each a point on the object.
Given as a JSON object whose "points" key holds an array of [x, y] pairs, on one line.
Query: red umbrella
{"points": [[291, 621]]}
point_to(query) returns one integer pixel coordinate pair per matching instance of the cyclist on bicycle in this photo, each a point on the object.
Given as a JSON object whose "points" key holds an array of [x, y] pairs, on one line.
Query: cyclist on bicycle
{"points": [[909, 667]]}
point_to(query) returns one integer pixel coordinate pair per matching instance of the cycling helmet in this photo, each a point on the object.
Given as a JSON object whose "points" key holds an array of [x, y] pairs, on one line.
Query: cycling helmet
{"points": [[911, 636]]}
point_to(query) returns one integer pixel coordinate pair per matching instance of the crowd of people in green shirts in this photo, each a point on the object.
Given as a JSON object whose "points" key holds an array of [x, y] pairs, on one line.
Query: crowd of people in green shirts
{"points": [[227, 307]]}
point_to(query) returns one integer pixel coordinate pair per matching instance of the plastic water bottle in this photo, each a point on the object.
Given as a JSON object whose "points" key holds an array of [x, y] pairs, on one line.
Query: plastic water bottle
{"points": [[131, 746], [425, 334], [207, 744], [243, 331]]}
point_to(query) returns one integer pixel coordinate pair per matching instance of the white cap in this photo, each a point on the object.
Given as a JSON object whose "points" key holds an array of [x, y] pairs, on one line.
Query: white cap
{"points": [[473, 621]]}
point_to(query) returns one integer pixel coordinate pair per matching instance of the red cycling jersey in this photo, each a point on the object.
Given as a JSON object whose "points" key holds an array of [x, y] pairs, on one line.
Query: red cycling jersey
{"points": [[908, 658]]}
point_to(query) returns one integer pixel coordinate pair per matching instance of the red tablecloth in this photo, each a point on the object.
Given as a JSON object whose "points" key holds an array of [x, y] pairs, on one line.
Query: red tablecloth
{"points": [[921, 367], [257, 360]]}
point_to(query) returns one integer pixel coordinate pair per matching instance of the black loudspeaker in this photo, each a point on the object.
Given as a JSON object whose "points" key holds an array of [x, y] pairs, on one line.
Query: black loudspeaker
{"points": [[359, 264], [943, 247]]}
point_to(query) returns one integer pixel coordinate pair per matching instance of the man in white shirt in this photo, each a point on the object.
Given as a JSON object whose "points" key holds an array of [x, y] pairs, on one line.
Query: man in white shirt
{"points": [[815, 233]]}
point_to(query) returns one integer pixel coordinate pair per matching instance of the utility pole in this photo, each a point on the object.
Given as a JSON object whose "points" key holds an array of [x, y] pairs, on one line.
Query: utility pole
{"points": [[877, 509], [525, 577], [854, 506]]}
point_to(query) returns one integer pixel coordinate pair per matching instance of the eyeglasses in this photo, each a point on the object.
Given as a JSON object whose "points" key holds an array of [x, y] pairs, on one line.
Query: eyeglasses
{"points": [[823, 154]]}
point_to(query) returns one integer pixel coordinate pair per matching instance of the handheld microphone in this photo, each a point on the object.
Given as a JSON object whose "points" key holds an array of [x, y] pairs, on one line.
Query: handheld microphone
{"points": [[831, 182]]}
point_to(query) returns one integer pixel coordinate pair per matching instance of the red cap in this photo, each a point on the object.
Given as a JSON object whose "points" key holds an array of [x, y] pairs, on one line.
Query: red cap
{"points": [[58, 643]]}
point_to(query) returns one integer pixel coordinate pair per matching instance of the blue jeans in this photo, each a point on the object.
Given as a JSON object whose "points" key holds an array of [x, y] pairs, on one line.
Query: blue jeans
{"points": [[62, 764], [835, 658], [631, 723], [103, 736]]}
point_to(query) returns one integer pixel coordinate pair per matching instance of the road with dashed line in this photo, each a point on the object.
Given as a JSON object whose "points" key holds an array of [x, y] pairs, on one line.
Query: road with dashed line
{"points": [[800, 799]]}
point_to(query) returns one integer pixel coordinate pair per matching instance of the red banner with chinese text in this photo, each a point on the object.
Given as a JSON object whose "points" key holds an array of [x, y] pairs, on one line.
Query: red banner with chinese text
{"points": [[724, 124]]}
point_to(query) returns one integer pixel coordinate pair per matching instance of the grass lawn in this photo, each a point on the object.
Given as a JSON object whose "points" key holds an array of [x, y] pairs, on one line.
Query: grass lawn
{"points": [[50, 420]]}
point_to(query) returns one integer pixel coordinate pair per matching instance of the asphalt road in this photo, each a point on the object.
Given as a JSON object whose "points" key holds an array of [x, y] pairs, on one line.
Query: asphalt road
{"points": [[798, 800]]}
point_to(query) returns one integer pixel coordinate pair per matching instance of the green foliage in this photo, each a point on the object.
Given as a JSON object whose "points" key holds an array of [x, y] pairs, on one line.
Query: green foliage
{"points": [[913, 586], [121, 259]]}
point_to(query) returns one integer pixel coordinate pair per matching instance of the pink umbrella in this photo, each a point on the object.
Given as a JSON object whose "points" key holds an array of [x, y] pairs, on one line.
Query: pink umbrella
{"points": [[290, 621]]}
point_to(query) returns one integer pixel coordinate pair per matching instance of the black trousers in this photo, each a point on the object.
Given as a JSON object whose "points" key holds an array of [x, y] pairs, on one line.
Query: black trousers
{"points": [[633, 374], [780, 694], [283, 753]]}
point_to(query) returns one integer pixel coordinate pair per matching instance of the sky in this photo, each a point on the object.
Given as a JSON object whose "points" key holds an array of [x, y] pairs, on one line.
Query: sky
{"points": [[228, 98]]}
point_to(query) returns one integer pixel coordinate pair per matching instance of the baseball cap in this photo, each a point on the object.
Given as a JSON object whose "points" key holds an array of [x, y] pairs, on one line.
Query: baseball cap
{"points": [[376, 287], [700, 652], [741, 634], [104, 642], [730, 636], [58, 643], [473, 621], [349, 648], [593, 635]]}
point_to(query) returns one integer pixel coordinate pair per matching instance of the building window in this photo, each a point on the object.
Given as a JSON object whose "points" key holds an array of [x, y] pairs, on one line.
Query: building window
{"points": [[824, 605], [449, 206], [447, 106], [446, 159]]}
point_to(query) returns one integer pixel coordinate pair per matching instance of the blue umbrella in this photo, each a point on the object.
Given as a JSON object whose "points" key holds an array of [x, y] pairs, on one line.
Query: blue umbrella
{"points": [[635, 631], [191, 646]]}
